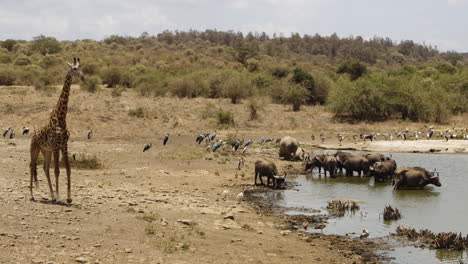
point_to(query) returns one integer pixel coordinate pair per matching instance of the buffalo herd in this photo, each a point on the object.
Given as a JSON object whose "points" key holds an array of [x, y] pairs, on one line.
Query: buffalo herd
{"points": [[371, 164]]}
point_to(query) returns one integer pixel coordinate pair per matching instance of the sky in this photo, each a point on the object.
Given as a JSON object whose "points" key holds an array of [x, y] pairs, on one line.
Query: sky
{"points": [[441, 23]]}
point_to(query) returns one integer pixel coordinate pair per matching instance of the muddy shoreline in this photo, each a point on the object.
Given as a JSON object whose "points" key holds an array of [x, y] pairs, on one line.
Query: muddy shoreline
{"points": [[364, 249]]}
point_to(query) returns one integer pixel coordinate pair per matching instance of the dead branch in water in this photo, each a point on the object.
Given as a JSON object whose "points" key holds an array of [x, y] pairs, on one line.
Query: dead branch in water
{"points": [[443, 240], [391, 213]]}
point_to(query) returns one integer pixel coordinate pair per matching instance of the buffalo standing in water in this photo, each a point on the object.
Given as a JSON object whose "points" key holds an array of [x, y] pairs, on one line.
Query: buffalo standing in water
{"points": [[415, 177]]}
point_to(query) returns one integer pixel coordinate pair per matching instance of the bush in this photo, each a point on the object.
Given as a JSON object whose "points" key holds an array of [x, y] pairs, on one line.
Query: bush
{"points": [[49, 61], [280, 72], [7, 76], [236, 87], [355, 69], [8, 44], [190, 86], [4, 58], [89, 68], [254, 106], [117, 92], [112, 77], [22, 61], [152, 84], [137, 112], [46, 45], [91, 84], [225, 117], [296, 95]]}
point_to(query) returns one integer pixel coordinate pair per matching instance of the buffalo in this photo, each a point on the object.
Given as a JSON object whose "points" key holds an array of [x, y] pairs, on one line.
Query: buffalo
{"points": [[268, 169], [341, 157], [315, 162], [383, 169], [358, 164], [415, 177]]}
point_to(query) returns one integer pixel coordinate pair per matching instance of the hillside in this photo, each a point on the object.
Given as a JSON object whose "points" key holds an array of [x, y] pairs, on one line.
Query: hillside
{"points": [[374, 80]]}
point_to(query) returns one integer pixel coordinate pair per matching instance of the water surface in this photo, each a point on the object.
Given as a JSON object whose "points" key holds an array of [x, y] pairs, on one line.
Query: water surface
{"points": [[441, 209]]}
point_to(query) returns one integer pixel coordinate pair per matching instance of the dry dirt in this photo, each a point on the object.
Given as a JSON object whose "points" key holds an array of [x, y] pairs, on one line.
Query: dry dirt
{"points": [[173, 204]]}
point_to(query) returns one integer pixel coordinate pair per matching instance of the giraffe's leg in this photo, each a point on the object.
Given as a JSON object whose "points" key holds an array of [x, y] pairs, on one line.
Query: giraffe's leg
{"points": [[47, 159], [33, 168], [57, 173], [67, 166]]}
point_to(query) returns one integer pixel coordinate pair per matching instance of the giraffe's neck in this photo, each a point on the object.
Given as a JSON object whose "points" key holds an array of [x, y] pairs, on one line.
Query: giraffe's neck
{"points": [[60, 111]]}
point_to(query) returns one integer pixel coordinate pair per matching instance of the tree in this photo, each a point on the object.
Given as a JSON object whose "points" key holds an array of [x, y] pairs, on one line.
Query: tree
{"points": [[8, 44], [354, 68], [296, 95], [244, 53], [46, 45], [305, 79]]}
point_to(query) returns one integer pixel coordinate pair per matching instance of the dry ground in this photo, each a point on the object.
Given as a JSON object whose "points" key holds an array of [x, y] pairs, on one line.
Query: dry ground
{"points": [[167, 205]]}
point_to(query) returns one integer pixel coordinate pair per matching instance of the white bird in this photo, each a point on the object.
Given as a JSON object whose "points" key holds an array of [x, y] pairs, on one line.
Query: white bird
{"points": [[240, 196], [364, 234], [241, 163]]}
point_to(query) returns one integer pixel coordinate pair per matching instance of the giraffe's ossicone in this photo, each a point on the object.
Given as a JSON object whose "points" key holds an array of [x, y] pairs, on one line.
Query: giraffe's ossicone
{"points": [[52, 139]]}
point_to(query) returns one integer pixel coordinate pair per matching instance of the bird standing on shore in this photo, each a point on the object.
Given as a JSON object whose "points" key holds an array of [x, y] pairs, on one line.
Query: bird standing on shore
{"points": [[12, 134], [364, 234], [166, 138], [147, 147], [25, 131], [200, 139], [213, 136], [340, 138], [235, 145], [90, 133], [241, 163], [322, 138], [217, 145], [249, 142], [6, 132], [320, 226]]}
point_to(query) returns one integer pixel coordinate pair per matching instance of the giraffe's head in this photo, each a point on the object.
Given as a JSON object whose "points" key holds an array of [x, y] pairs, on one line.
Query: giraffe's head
{"points": [[75, 68]]}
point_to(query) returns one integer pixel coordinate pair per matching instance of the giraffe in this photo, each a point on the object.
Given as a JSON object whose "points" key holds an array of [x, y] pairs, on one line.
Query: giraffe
{"points": [[53, 138]]}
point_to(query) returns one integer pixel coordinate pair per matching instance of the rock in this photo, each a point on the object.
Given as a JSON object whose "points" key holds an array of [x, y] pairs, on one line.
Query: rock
{"points": [[185, 221], [81, 260], [229, 216], [285, 232]]}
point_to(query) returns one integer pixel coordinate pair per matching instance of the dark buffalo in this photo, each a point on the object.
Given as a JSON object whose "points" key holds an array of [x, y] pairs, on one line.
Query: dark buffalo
{"points": [[374, 157], [340, 158], [356, 164], [383, 169], [329, 164], [268, 169], [415, 177]]}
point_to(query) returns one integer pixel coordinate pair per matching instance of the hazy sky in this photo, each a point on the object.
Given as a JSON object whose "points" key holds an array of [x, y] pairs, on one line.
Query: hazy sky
{"points": [[437, 22]]}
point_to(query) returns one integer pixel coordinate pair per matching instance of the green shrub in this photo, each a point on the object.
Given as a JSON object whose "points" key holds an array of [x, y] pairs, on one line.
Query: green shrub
{"points": [[89, 68], [117, 92], [190, 86], [138, 112], [280, 72], [255, 106], [355, 69], [445, 67], [7, 76], [5, 58], [112, 77], [236, 87], [278, 90], [22, 61], [49, 61], [225, 117], [91, 84], [296, 95], [152, 84], [46, 45], [8, 44], [305, 79]]}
